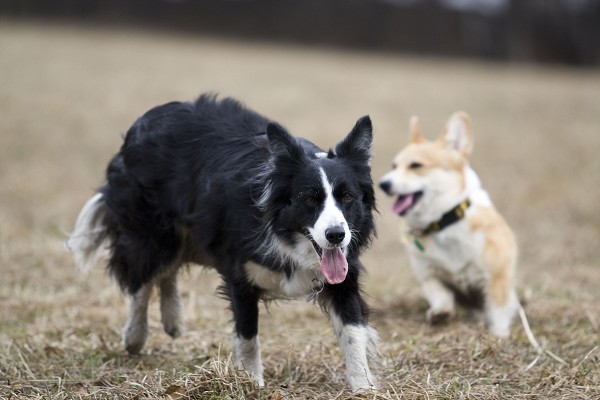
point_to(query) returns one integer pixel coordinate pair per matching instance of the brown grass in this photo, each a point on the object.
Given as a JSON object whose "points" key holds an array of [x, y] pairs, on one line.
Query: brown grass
{"points": [[67, 94]]}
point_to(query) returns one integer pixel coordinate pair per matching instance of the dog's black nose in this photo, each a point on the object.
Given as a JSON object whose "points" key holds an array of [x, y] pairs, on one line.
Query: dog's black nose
{"points": [[385, 186], [335, 235]]}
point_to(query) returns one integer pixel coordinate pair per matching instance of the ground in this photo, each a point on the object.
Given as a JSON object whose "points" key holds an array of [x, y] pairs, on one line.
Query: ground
{"points": [[68, 93]]}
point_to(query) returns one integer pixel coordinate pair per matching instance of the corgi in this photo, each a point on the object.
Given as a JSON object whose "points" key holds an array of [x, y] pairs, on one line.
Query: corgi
{"points": [[460, 248]]}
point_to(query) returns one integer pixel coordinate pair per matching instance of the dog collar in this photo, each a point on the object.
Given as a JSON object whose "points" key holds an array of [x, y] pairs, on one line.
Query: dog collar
{"points": [[452, 216]]}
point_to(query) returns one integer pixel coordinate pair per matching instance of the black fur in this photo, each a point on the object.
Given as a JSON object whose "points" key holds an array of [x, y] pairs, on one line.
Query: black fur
{"points": [[212, 182]]}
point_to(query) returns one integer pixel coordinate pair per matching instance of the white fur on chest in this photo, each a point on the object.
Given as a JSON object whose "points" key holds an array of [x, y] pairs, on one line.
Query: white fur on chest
{"points": [[278, 285], [453, 255]]}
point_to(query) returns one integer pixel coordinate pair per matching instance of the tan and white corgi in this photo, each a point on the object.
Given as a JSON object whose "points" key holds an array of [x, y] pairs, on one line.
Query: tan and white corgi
{"points": [[460, 248]]}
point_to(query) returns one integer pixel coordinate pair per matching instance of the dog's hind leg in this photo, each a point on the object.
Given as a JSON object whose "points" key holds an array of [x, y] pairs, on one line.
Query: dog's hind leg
{"points": [[170, 304], [501, 306], [135, 331], [246, 344], [501, 301]]}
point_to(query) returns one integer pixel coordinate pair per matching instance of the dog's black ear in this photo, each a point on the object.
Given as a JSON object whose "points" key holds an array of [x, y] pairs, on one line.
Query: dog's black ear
{"points": [[356, 148], [283, 145], [357, 145]]}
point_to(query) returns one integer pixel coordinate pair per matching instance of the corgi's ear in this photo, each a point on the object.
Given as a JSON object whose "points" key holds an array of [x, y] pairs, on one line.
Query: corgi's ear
{"points": [[458, 133], [416, 134], [357, 145]]}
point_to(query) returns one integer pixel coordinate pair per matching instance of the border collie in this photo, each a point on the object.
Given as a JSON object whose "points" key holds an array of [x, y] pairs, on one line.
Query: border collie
{"points": [[214, 183]]}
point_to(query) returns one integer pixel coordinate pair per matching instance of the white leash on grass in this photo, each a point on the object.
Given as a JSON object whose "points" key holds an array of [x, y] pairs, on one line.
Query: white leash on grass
{"points": [[540, 350]]}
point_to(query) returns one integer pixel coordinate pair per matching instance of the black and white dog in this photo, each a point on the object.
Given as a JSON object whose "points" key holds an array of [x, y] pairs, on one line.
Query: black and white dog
{"points": [[214, 183]]}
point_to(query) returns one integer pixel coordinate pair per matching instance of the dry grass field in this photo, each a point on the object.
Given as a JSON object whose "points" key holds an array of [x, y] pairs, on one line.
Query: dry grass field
{"points": [[67, 94]]}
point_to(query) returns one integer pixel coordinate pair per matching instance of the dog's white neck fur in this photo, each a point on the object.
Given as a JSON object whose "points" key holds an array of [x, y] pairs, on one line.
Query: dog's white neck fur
{"points": [[301, 255], [474, 190]]}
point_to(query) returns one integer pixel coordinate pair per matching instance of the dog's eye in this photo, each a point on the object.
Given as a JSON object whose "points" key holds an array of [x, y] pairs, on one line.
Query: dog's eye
{"points": [[415, 165], [347, 197], [310, 201], [394, 166]]}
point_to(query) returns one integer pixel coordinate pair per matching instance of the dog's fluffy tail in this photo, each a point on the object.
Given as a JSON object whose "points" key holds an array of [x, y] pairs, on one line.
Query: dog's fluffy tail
{"points": [[87, 242]]}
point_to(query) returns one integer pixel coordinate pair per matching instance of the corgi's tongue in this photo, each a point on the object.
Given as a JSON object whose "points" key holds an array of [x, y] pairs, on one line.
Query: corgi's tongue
{"points": [[334, 265], [403, 203]]}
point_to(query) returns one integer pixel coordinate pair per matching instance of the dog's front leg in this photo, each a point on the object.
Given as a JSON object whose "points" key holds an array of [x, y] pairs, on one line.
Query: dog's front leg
{"points": [[358, 340], [439, 297], [246, 344]]}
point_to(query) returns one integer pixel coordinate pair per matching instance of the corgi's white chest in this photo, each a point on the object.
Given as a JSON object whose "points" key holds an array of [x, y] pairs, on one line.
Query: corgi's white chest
{"points": [[453, 255]]}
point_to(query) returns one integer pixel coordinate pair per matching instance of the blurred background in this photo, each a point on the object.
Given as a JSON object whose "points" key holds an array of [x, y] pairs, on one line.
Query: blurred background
{"points": [[559, 31], [75, 74]]}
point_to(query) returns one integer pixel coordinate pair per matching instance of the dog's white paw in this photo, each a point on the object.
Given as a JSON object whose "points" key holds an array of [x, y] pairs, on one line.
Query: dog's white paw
{"points": [[174, 326], [247, 356], [500, 331], [134, 337]]}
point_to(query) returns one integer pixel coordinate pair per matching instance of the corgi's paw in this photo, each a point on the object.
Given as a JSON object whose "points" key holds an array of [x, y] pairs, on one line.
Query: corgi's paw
{"points": [[500, 332], [498, 319], [439, 316], [499, 329]]}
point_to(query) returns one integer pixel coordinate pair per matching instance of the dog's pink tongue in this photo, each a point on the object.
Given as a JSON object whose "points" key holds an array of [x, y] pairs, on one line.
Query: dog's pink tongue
{"points": [[402, 203], [334, 265]]}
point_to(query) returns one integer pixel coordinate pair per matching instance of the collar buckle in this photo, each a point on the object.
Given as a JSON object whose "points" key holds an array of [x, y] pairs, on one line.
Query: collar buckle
{"points": [[454, 215]]}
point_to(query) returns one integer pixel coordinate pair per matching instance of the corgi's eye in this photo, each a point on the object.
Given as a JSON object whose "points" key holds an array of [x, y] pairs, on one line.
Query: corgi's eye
{"points": [[415, 165], [394, 166]]}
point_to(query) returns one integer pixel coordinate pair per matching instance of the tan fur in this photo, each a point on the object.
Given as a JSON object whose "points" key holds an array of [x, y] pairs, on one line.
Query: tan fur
{"points": [[416, 134], [432, 155], [463, 118], [499, 252], [478, 252]]}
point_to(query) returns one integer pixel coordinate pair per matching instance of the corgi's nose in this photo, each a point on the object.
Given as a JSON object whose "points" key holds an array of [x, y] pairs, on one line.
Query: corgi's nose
{"points": [[386, 186], [335, 235]]}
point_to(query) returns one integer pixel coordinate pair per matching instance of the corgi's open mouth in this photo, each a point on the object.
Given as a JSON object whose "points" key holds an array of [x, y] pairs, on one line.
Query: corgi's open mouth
{"points": [[405, 202], [334, 265]]}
